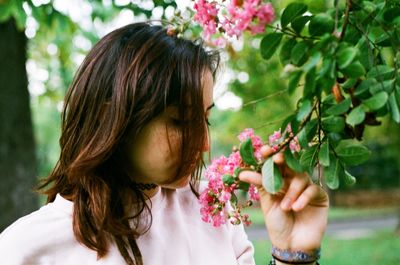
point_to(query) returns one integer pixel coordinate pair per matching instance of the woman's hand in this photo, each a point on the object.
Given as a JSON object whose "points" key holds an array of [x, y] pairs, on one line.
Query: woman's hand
{"points": [[296, 217]]}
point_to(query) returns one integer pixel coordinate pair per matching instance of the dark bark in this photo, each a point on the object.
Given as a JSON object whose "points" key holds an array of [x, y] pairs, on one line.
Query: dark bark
{"points": [[17, 147]]}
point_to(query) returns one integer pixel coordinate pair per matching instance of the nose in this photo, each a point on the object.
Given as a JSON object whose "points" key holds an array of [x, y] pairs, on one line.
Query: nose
{"points": [[206, 144]]}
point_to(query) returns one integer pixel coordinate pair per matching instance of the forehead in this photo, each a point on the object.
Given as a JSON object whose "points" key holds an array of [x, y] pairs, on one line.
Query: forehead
{"points": [[207, 83]]}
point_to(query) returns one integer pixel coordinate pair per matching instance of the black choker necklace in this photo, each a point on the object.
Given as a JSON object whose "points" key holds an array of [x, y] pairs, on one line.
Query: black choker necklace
{"points": [[145, 186]]}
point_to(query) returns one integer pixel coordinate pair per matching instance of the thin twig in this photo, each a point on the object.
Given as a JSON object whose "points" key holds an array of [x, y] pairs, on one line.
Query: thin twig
{"points": [[264, 98], [280, 146], [336, 15], [346, 18], [269, 123]]}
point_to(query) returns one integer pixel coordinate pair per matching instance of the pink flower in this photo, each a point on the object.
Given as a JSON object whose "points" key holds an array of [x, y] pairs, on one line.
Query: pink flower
{"points": [[206, 15], [253, 193], [266, 14], [238, 16], [275, 139], [255, 139], [246, 219], [219, 42], [225, 196], [294, 145]]}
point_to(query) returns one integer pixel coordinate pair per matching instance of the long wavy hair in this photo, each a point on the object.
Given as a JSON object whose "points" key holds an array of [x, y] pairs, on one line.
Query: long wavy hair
{"points": [[128, 78]]}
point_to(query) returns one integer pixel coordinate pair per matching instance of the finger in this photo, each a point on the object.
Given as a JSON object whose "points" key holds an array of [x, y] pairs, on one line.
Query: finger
{"points": [[296, 186], [251, 177], [267, 151], [313, 195], [279, 159]]}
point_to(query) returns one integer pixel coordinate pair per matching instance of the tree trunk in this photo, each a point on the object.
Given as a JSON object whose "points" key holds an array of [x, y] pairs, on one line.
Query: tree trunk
{"points": [[17, 147]]}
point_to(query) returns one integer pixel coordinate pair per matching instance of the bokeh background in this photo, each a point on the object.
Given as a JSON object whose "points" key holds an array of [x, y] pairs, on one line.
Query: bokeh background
{"points": [[43, 42]]}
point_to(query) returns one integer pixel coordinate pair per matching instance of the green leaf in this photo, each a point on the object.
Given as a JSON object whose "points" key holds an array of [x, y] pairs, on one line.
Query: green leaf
{"points": [[243, 186], [299, 53], [355, 69], [340, 108], [234, 199], [321, 24], [346, 56], [356, 116], [333, 124], [247, 152], [272, 179], [307, 133], [352, 153], [310, 83], [327, 68], [394, 108], [386, 85], [391, 13], [286, 50], [383, 41], [313, 61], [365, 52], [350, 83], [294, 79], [377, 101], [299, 23], [269, 44], [332, 173], [291, 12], [363, 88], [309, 158], [381, 72], [323, 155], [228, 179], [348, 178], [304, 110], [291, 161]]}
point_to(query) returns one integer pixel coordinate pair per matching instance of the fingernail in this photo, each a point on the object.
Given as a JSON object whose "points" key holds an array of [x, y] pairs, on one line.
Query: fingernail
{"points": [[285, 204]]}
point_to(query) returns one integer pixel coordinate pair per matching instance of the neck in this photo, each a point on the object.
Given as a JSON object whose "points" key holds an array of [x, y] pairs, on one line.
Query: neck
{"points": [[151, 192]]}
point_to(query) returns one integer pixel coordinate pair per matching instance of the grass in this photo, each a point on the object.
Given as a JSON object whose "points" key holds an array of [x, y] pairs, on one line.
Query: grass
{"points": [[335, 214], [381, 248]]}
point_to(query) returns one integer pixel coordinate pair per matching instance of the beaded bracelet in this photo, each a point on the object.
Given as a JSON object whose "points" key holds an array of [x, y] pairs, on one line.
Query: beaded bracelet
{"points": [[272, 262], [295, 257]]}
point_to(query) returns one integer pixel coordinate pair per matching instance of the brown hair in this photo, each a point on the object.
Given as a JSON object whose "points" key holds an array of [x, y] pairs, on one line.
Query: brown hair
{"points": [[128, 78]]}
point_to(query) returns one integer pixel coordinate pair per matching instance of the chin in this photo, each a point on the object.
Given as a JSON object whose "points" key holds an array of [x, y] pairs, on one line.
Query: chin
{"points": [[181, 183]]}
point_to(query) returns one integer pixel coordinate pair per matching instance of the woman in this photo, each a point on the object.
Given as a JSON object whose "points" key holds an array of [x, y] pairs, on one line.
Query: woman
{"points": [[134, 127]]}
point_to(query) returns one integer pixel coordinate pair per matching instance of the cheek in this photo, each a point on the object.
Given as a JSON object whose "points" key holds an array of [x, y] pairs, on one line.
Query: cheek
{"points": [[156, 148]]}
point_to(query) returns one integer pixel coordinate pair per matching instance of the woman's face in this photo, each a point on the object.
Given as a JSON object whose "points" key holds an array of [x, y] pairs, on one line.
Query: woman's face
{"points": [[154, 155]]}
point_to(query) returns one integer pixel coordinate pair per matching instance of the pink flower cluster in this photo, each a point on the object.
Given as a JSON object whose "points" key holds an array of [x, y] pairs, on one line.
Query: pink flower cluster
{"points": [[232, 19], [277, 138], [215, 198]]}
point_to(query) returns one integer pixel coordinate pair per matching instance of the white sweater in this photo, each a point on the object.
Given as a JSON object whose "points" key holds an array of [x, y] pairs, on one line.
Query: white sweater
{"points": [[177, 236]]}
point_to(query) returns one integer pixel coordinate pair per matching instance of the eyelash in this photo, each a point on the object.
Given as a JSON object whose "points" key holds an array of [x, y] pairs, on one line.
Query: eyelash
{"points": [[208, 122], [178, 122]]}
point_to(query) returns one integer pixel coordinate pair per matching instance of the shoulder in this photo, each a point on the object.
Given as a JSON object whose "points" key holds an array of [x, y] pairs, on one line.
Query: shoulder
{"points": [[35, 232]]}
